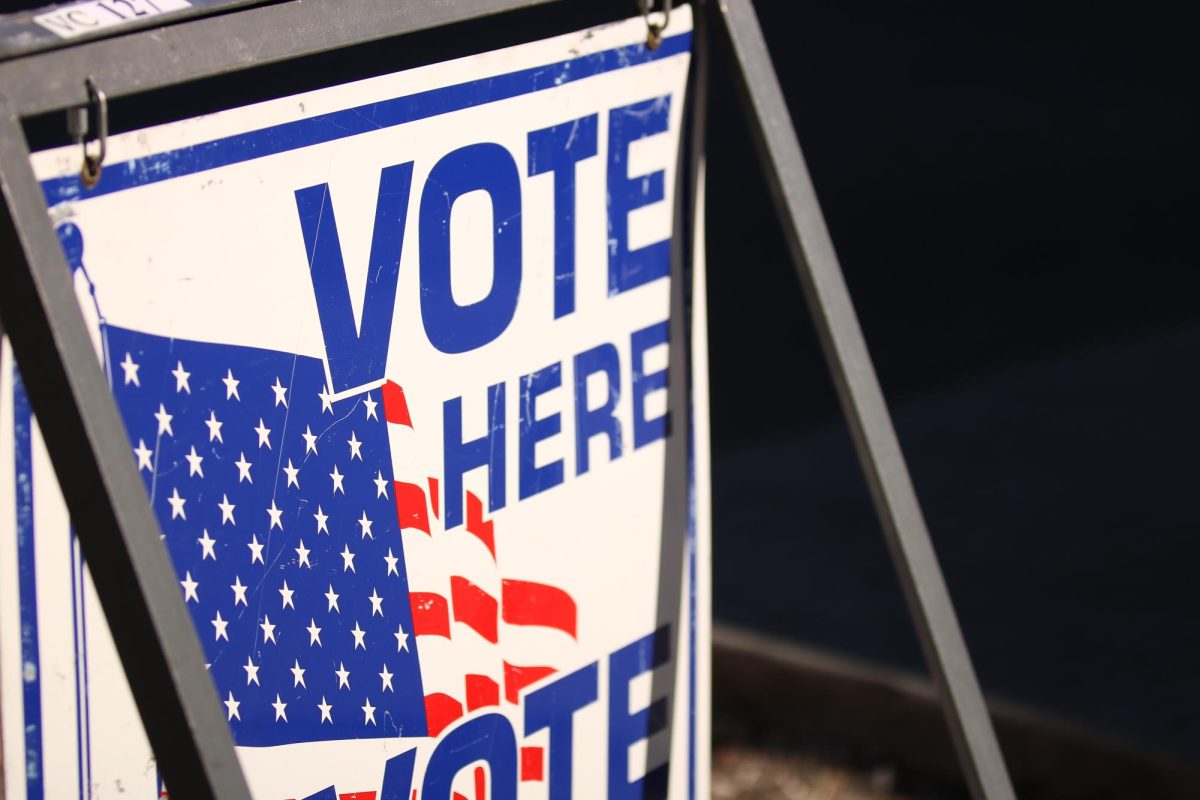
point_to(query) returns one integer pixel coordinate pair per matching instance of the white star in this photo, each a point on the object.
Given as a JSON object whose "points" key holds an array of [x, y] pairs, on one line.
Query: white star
{"points": [[302, 556], [358, 634], [232, 705], [355, 446], [280, 713], [380, 484], [268, 630], [322, 518], [251, 672], [275, 513], [365, 524], [194, 463], [177, 504], [189, 588], [370, 404], [255, 550], [214, 427], [368, 712], [181, 378], [376, 603], [332, 597], [143, 455], [343, 675], [131, 370], [226, 510], [206, 544], [243, 468], [310, 440], [325, 709], [298, 675], [239, 591], [164, 420], [337, 480], [387, 680], [231, 384], [391, 562], [286, 594], [264, 434], [220, 625], [314, 633], [326, 399], [348, 560], [280, 392], [401, 638], [292, 472]]}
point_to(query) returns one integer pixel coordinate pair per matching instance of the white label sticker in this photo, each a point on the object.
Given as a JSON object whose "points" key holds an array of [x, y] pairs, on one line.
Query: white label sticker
{"points": [[67, 22]]}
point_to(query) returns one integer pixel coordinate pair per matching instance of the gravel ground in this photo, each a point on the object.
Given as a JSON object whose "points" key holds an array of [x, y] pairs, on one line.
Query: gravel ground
{"points": [[742, 773]]}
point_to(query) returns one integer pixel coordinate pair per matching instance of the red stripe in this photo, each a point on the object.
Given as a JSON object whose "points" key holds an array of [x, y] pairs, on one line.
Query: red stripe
{"points": [[433, 496], [357, 796], [440, 710], [475, 607], [528, 603], [477, 526], [482, 691], [517, 678], [410, 506], [532, 766], [395, 407], [431, 615]]}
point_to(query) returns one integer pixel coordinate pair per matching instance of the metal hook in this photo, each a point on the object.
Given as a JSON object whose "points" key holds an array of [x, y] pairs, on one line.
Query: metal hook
{"points": [[654, 30], [77, 123]]}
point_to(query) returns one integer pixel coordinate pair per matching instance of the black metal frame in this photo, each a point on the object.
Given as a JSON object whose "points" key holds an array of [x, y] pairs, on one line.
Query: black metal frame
{"points": [[116, 527]]}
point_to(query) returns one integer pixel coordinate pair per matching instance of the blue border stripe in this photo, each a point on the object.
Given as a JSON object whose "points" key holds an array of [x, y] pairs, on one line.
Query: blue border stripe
{"points": [[87, 709], [75, 645], [79, 630], [355, 121], [27, 590], [691, 590]]}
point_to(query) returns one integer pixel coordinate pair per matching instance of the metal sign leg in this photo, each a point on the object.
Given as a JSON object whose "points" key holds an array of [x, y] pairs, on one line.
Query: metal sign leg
{"points": [[863, 405], [117, 529]]}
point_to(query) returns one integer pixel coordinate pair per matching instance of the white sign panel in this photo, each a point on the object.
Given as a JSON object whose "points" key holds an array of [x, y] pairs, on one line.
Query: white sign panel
{"points": [[392, 357]]}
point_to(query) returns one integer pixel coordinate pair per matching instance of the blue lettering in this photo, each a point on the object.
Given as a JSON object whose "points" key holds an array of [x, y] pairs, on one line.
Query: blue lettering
{"points": [[397, 776], [554, 707], [625, 729], [487, 738], [486, 167], [461, 457], [558, 149], [535, 479], [591, 422], [628, 269], [645, 430], [356, 354]]}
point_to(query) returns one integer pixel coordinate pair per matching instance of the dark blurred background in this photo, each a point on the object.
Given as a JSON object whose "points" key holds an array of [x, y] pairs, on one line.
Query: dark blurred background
{"points": [[1012, 192]]}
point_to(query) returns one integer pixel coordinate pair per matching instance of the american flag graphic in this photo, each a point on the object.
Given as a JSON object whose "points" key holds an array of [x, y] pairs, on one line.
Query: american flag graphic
{"points": [[277, 506], [288, 515]]}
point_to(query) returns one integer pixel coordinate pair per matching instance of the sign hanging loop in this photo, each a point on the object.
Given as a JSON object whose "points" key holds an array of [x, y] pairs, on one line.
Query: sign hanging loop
{"points": [[78, 122], [654, 30]]}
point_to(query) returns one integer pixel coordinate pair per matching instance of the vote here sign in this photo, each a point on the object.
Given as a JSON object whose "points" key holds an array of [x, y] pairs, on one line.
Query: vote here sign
{"points": [[392, 357]]}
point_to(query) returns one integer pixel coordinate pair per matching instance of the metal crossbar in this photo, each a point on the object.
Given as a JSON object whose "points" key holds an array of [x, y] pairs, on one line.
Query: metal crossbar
{"points": [[117, 530]]}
